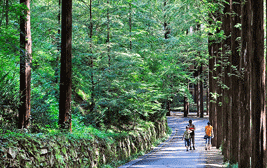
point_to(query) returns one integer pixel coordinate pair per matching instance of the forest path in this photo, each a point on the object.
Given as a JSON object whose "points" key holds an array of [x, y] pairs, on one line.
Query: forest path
{"points": [[172, 152]]}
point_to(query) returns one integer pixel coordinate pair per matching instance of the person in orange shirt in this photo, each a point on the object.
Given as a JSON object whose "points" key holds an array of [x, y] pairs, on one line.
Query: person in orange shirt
{"points": [[208, 135]]}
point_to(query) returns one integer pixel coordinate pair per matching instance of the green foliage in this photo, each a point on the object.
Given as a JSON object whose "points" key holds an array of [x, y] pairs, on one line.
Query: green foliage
{"points": [[115, 85]]}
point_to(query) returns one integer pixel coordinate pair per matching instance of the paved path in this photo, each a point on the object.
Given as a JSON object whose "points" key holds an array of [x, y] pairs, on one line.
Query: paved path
{"points": [[172, 152]]}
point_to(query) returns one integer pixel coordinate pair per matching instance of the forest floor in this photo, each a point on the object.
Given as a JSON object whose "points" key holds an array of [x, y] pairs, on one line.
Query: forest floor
{"points": [[172, 152]]}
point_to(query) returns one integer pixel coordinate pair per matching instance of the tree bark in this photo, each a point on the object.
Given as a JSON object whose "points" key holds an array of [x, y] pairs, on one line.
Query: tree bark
{"points": [[219, 109], [236, 33], [201, 108], [198, 91], [92, 105], [25, 67], [166, 36], [7, 11], [211, 67], [226, 93], [258, 87], [186, 107], [214, 87], [108, 35], [58, 43], [130, 23], [246, 51], [196, 73], [66, 66]]}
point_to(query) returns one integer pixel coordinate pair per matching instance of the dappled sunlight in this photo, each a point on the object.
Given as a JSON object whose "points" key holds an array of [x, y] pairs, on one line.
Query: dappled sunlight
{"points": [[172, 153]]}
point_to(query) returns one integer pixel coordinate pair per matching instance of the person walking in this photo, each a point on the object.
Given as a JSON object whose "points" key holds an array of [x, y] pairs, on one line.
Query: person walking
{"points": [[186, 137], [208, 135], [192, 128]]}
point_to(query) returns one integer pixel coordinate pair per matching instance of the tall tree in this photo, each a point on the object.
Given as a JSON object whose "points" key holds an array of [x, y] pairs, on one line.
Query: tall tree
{"points": [[66, 66], [58, 42], [167, 33], [7, 11], [246, 51], [213, 113], [227, 70], [201, 107], [130, 23], [186, 105], [258, 87], [235, 35], [25, 66], [219, 99], [92, 105]]}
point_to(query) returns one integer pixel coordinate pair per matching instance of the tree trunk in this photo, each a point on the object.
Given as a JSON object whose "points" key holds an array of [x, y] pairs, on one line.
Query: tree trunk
{"points": [[7, 11], [198, 91], [66, 66], [166, 36], [196, 88], [108, 36], [226, 94], [219, 108], [130, 23], [246, 51], [201, 94], [166, 28], [258, 87], [25, 67], [235, 79], [92, 105], [58, 42], [211, 67], [186, 107], [207, 100], [214, 86]]}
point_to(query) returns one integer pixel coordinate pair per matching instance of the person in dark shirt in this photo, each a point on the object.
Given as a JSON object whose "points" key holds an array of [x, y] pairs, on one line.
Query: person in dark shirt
{"points": [[192, 128]]}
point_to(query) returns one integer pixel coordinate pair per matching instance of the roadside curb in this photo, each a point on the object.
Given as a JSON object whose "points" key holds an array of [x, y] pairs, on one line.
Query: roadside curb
{"points": [[162, 144]]}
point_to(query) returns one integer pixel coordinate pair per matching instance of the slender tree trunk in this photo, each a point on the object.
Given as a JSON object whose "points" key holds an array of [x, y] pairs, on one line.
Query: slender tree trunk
{"points": [[58, 42], [7, 11], [108, 35], [207, 100], [196, 88], [25, 67], [130, 23], [220, 98], [186, 107], [66, 66], [166, 36], [198, 91], [258, 87], [246, 51], [201, 94], [92, 106], [226, 93], [211, 67], [215, 91], [235, 79]]}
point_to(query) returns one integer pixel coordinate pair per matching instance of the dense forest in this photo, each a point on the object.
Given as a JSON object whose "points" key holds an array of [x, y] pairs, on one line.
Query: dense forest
{"points": [[108, 66], [129, 59]]}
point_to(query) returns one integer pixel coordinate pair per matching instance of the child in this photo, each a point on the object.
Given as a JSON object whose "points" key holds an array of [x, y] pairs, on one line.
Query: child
{"points": [[186, 137]]}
